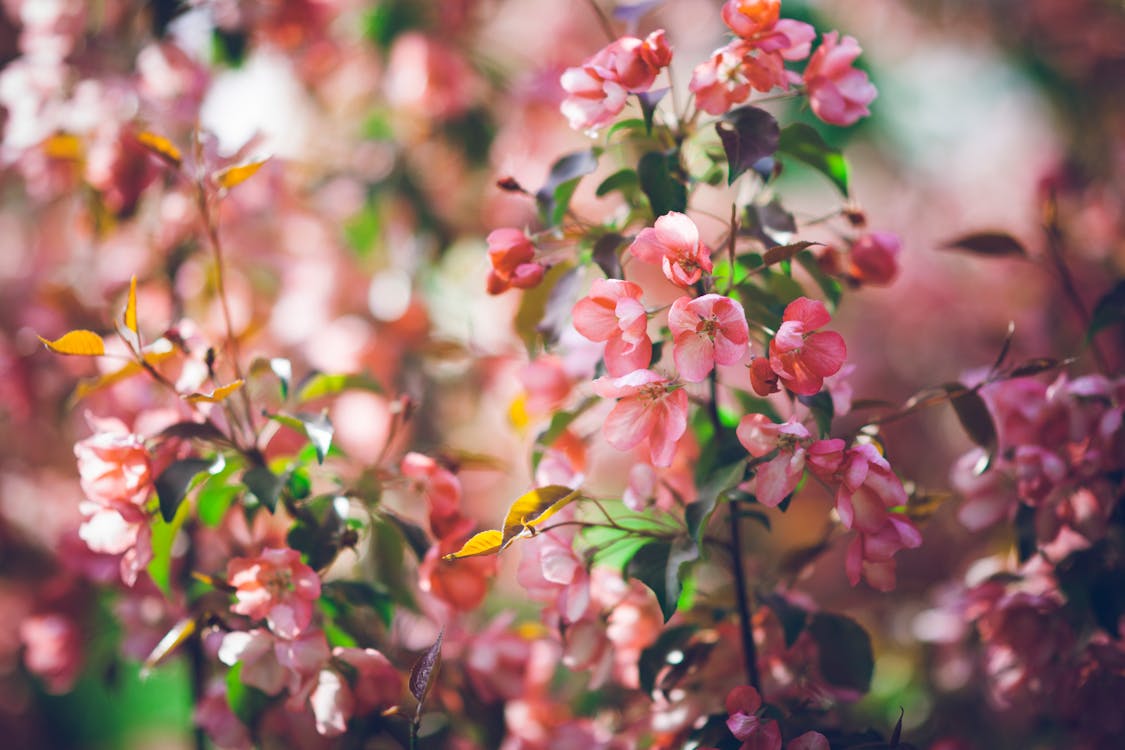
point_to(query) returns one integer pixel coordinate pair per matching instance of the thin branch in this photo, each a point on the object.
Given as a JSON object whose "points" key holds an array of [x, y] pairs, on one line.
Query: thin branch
{"points": [[603, 20]]}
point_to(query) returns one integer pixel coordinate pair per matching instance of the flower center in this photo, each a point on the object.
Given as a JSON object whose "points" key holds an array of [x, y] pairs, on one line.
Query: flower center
{"points": [[279, 583]]}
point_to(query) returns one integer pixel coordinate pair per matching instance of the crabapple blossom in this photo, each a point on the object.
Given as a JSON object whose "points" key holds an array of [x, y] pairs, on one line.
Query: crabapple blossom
{"points": [[277, 587], [597, 90], [707, 331], [441, 488], [648, 407], [871, 555], [873, 258], [801, 356], [763, 379], [674, 243], [778, 477], [723, 80], [52, 649], [613, 313], [113, 465], [270, 663], [511, 253], [461, 584], [746, 18], [742, 705], [838, 93]]}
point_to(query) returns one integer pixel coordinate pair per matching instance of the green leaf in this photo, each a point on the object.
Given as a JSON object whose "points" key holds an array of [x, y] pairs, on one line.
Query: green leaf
{"points": [[319, 430], [625, 180], [264, 485], [386, 550], [659, 565], [362, 594], [803, 143], [247, 703], [846, 658], [655, 658], [1109, 310], [657, 173], [749, 134], [633, 123], [174, 482], [163, 537], [413, 534], [554, 197], [319, 385], [698, 513]]}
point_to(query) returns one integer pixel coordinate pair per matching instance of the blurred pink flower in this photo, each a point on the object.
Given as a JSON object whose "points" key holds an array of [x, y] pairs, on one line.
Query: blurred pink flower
{"points": [[673, 242], [428, 78], [377, 683], [461, 584], [709, 330], [441, 488], [271, 664], [873, 258], [800, 357], [613, 313], [742, 705], [868, 488], [52, 650], [596, 90], [511, 253], [838, 93], [808, 741], [113, 465], [871, 555], [649, 406], [213, 715], [747, 18], [275, 586]]}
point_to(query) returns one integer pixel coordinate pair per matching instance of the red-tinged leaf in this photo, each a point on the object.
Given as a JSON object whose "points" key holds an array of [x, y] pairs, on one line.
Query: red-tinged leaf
{"points": [[748, 135], [172, 640], [161, 147], [194, 431], [483, 543], [533, 508], [219, 395], [991, 244], [785, 252], [130, 317], [424, 672], [974, 416], [233, 176], [1036, 366], [1006, 347], [78, 343]]}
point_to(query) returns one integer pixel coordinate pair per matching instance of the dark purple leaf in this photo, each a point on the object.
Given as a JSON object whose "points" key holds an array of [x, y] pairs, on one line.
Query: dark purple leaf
{"points": [[992, 244], [648, 101], [785, 252], [605, 254], [1108, 311], [846, 658], [554, 196], [424, 671], [748, 134], [896, 735]]}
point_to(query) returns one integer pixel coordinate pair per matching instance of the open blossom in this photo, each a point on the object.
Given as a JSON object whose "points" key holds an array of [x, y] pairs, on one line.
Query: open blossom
{"points": [[800, 357], [871, 555], [743, 704], [596, 90], [778, 477], [749, 17], [673, 242], [113, 465], [709, 330], [649, 407], [512, 253], [272, 664], [838, 93], [52, 649], [275, 586], [335, 700], [441, 488], [613, 313]]}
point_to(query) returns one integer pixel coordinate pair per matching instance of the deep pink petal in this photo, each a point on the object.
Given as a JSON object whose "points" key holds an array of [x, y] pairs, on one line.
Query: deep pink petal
{"points": [[811, 313], [670, 425], [595, 318], [623, 357], [824, 353]]}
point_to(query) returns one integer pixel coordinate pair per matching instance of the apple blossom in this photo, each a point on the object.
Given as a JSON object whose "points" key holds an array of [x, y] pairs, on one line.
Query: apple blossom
{"points": [[613, 313], [673, 242], [277, 587], [838, 93], [648, 407], [707, 331], [801, 356]]}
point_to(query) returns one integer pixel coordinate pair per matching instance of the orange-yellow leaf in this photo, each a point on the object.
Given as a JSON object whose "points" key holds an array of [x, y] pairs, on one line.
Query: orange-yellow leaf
{"points": [[219, 394], [63, 146], [236, 175], [484, 543], [131, 306], [79, 343], [160, 350], [172, 640], [535, 507], [161, 147]]}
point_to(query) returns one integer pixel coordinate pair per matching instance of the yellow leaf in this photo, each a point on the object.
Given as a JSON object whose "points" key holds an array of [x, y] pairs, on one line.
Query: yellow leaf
{"points": [[131, 307], [80, 343], [161, 147], [218, 395], [172, 640], [231, 176], [63, 146], [484, 543], [535, 507], [517, 413], [160, 350]]}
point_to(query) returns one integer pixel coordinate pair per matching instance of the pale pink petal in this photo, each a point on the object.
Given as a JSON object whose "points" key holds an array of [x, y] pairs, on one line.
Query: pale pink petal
{"points": [[332, 704], [629, 423], [595, 319], [623, 357], [625, 385], [682, 317], [694, 356], [669, 427]]}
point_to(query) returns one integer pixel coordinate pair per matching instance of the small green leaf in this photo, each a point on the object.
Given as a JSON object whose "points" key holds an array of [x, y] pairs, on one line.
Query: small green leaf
{"points": [[625, 180], [803, 143], [554, 197], [163, 537], [264, 485], [659, 565], [173, 483], [319, 385], [846, 658], [413, 534], [664, 190], [698, 513], [319, 430]]}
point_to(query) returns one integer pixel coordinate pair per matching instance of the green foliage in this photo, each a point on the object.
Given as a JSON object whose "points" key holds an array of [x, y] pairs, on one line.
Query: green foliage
{"points": [[846, 658], [803, 143], [661, 182]]}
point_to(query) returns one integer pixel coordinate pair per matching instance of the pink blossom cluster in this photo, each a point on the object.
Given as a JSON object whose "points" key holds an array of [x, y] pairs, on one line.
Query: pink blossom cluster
{"points": [[598, 89]]}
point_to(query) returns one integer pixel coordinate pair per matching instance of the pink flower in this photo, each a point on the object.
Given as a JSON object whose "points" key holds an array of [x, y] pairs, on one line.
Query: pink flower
{"points": [[275, 586], [596, 90], [52, 650], [838, 93], [707, 331], [868, 488], [113, 466], [212, 714], [871, 555], [808, 741], [874, 258], [511, 253], [428, 78], [743, 704], [801, 358], [462, 584], [762, 377], [271, 664], [674, 243], [649, 406], [613, 313], [377, 683], [748, 18], [441, 488], [777, 478], [551, 571], [724, 79]]}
